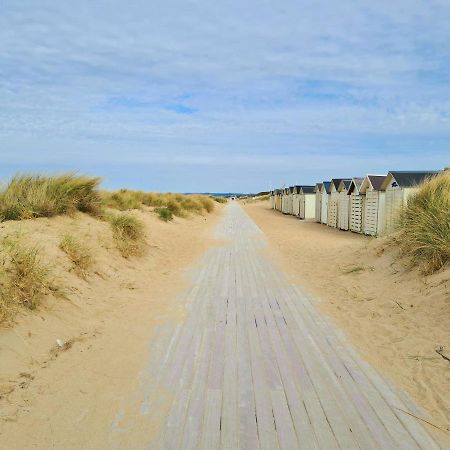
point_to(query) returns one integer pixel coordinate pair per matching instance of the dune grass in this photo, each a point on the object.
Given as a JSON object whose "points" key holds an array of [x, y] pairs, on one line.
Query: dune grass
{"points": [[128, 233], [220, 199], [30, 196], [24, 278], [424, 225], [179, 205], [123, 199], [164, 213], [78, 253]]}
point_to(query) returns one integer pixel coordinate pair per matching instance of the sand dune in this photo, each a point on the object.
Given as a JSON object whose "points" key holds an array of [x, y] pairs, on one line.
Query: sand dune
{"points": [[66, 397]]}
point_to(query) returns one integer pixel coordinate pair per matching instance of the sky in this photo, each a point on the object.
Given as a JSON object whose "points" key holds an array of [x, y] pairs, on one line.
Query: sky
{"points": [[198, 96]]}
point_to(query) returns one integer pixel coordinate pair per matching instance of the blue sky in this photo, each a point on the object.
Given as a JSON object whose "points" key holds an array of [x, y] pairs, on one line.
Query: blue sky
{"points": [[223, 96]]}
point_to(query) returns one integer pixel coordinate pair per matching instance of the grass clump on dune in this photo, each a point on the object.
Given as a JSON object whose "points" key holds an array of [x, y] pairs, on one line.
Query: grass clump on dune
{"points": [[128, 233], [24, 278], [424, 225], [78, 253], [30, 196], [164, 213], [220, 199], [180, 205], [123, 199]]}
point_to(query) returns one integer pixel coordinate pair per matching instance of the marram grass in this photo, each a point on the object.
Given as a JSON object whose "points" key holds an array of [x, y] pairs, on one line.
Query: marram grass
{"points": [[424, 225]]}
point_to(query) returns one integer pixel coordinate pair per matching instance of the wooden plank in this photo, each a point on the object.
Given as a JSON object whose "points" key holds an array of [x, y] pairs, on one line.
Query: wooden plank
{"points": [[285, 428], [211, 424], [374, 388]]}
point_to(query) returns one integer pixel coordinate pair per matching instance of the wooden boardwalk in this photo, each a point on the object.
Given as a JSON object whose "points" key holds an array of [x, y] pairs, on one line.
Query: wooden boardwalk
{"points": [[255, 366]]}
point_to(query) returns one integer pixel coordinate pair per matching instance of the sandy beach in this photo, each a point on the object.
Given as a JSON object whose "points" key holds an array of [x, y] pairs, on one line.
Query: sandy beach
{"points": [[394, 316], [53, 397]]}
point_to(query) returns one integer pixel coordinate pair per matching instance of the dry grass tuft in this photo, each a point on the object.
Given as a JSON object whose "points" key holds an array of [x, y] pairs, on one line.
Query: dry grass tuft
{"points": [[180, 205], [78, 253], [424, 225], [29, 196], [123, 199], [220, 199], [164, 213], [128, 233], [24, 278]]}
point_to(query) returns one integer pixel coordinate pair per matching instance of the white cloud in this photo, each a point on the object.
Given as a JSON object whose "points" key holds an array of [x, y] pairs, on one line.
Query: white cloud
{"points": [[297, 78]]}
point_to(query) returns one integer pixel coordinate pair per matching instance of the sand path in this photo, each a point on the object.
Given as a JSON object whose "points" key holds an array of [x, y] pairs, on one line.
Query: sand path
{"points": [[255, 365]]}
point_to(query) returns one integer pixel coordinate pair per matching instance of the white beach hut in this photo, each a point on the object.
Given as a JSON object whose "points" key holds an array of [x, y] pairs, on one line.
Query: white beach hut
{"points": [[399, 185], [290, 200], [343, 205], [318, 201], [374, 210], [325, 193], [278, 196], [307, 202], [284, 197], [356, 205], [296, 201], [332, 220]]}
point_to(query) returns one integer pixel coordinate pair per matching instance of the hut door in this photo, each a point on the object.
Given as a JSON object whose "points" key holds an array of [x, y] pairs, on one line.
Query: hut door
{"points": [[356, 212], [371, 213]]}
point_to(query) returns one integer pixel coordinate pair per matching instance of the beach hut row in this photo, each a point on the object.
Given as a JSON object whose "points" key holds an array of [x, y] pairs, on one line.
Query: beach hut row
{"points": [[367, 205]]}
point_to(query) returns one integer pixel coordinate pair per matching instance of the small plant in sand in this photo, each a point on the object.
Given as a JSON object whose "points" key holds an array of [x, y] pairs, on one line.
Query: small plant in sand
{"points": [[29, 196], [78, 253], [128, 233], [24, 277], [164, 213], [220, 199], [424, 225]]}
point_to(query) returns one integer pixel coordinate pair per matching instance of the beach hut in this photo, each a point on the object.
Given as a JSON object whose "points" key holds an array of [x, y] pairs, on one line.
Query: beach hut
{"points": [[307, 202], [332, 219], [291, 200], [286, 200], [325, 193], [374, 213], [283, 199], [356, 205], [278, 197], [296, 201], [271, 199], [318, 201], [399, 185], [343, 205]]}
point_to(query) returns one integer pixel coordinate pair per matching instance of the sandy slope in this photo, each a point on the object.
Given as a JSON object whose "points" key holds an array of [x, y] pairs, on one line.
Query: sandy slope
{"points": [[395, 317], [69, 400]]}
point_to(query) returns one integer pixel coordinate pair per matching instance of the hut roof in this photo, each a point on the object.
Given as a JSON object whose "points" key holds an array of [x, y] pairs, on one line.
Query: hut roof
{"points": [[374, 181], [355, 184], [407, 179], [318, 187], [291, 189], [336, 181], [326, 185], [308, 189], [344, 184]]}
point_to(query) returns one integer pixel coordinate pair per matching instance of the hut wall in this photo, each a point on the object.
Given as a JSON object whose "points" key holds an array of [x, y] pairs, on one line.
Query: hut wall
{"points": [[318, 206], [343, 210], [296, 205], [356, 212], [309, 206], [333, 210], [374, 214], [324, 211]]}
